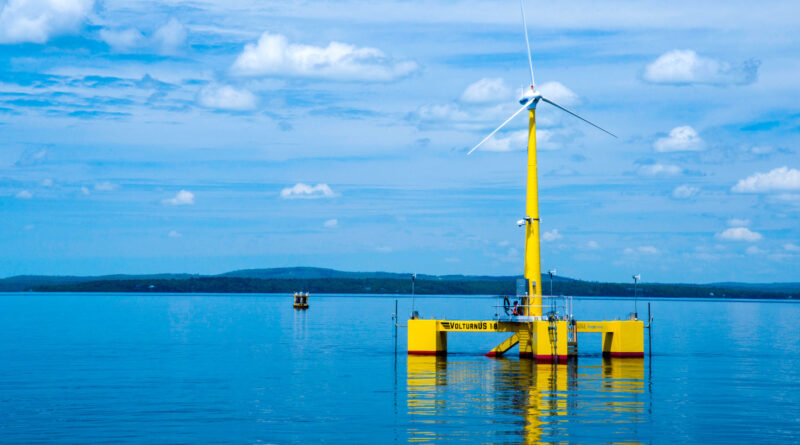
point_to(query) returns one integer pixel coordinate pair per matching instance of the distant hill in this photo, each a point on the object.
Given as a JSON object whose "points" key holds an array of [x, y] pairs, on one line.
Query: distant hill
{"points": [[310, 273], [307, 273], [321, 280], [280, 285], [27, 282], [772, 287], [21, 283]]}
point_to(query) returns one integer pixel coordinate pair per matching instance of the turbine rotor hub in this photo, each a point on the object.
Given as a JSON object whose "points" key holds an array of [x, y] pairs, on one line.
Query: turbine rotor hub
{"points": [[530, 97]]}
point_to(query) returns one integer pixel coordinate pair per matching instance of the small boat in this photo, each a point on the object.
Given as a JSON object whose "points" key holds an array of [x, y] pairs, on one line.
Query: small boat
{"points": [[300, 300]]}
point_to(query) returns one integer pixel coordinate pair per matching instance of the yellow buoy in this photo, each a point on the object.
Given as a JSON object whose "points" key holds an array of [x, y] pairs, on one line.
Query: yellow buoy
{"points": [[300, 300]]}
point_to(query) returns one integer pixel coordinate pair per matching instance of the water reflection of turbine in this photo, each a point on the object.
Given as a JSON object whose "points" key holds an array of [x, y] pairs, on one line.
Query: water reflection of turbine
{"points": [[548, 400], [534, 391]]}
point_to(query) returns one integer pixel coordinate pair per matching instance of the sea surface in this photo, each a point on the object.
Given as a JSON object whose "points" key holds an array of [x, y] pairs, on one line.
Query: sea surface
{"points": [[128, 368]]}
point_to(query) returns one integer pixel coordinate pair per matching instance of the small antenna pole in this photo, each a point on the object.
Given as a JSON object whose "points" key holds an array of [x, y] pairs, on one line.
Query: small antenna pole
{"points": [[413, 278], [636, 279], [552, 272], [649, 331]]}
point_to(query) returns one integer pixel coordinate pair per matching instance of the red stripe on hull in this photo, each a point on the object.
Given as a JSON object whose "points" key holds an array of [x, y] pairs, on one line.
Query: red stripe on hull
{"points": [[427, 352], [624, 354], [495, 354], [543, 358]]}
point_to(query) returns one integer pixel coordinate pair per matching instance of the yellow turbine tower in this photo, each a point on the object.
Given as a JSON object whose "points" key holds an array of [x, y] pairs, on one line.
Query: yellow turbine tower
{"points": [[533, 263]]}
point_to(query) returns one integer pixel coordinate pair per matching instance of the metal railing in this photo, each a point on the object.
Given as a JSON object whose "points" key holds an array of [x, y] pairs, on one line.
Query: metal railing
{"points": [[562, 311]]}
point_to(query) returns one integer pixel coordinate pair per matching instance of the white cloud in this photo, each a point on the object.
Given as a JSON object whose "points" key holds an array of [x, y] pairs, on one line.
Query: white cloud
{"points": [[739, 234], [170, 37], [273, 54], [761, 149], [659, 170], [683, 138], [791, 247], [383, 249], [331, 223], [123, 40], [546, 140], [738, 222], [645, 250], [488, 89], [678, 67], [558, 93], [32, 156], [684, 192], [781, 179], [754, 250], [301, 190], [24, 194], [37, 21], [105, 186], [226, 97], [791, 198], [442, 112], [85, 190], [563, 171], [166, 40], [549, 140], [552, 235], [462, 116], [512, 140], [511, 255], [181, 199], [592, 245], [174, 234], [47, 182]]}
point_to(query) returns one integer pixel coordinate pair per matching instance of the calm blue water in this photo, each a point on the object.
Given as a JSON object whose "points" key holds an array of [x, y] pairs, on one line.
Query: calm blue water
{"points": [[82, 368]]}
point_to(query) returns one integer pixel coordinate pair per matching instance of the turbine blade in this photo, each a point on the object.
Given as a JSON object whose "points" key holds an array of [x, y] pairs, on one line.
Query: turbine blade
{"points": [[576, 115], [498, 128], [527, 42]]}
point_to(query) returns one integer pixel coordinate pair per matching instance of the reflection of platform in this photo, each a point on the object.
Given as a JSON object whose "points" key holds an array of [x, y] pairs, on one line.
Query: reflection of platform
{"points": [[542, 340], [541, 398], [424, 375]]}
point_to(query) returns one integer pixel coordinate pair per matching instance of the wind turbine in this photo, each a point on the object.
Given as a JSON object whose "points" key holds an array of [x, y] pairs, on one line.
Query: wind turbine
{"points": [[530, 98]]}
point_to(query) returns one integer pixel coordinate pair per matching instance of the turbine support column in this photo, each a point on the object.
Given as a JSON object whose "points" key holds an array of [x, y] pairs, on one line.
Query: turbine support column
{"points": [[533, 268]]}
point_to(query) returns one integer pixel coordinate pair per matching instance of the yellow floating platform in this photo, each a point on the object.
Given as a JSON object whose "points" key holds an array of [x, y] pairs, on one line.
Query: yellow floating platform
{"points": [[543, 340]]}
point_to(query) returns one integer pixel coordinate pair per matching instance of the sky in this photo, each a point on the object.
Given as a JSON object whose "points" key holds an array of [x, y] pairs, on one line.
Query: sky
{"points": [[208, 136]]}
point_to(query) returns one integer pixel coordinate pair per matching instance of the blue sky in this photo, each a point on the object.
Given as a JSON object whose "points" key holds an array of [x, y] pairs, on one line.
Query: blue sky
{"points": [[207, 136]]}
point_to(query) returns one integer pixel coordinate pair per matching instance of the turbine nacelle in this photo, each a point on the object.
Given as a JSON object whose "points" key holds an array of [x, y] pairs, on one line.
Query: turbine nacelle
{"points": [[530, 97]]}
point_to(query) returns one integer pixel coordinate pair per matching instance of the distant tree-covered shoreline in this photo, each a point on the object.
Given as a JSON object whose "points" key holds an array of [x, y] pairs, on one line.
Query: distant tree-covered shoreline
{"points": [[219, 284]]}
